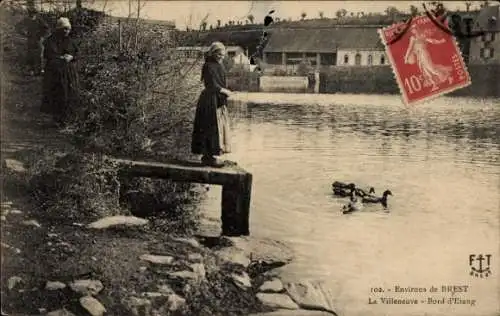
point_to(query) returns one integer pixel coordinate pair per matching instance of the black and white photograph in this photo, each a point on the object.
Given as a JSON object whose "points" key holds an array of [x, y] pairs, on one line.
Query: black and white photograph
{"points": [[260, 158]]}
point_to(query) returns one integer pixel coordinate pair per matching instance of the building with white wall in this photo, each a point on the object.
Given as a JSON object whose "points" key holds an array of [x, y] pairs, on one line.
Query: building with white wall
{"points": [[323, 48]]}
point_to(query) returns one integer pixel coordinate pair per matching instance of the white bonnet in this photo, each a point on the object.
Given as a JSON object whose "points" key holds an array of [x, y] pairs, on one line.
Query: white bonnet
{"points": [[63, 22]]}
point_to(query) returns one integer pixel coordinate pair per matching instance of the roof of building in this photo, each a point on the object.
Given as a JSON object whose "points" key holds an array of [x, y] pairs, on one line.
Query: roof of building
{"points": [[167, 23], [323, 40], [488, 19], [205, 48]]}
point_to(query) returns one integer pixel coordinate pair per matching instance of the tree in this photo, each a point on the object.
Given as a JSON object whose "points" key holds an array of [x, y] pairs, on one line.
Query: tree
{"points": [[251, 18], [303, 15], [321, 14], [341, 13], [392, 12], [413, 10], [218, 23], [468, 4], [485, 4]]}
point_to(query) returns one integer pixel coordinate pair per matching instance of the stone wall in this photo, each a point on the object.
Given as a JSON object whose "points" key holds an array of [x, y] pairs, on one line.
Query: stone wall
{"points": [[376, 80], [284, 84]]}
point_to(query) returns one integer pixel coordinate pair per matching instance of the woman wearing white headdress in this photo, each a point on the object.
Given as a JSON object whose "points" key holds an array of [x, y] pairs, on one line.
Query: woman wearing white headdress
{"points": [[61, 82], [211, 123]]}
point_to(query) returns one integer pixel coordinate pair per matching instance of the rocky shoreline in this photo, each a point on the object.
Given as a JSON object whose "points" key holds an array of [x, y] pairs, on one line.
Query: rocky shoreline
{"points": [[59, 270]]}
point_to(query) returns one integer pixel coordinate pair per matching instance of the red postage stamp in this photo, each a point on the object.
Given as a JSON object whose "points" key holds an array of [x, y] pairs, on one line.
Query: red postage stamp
{"points": [[426, 61]]}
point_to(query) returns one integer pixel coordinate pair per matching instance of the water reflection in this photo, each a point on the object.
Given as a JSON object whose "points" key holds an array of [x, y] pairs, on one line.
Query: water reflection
{"points": [[440, 161], [478, 126]]}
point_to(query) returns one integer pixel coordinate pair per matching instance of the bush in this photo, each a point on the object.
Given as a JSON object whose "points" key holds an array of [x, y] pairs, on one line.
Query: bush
{"points": [[75, 187], [136, 102], [139, 101]]}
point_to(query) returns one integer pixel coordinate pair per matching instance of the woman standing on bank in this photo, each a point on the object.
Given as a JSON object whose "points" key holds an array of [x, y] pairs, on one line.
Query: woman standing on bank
{"points": [[60, 82], [211, 123]]}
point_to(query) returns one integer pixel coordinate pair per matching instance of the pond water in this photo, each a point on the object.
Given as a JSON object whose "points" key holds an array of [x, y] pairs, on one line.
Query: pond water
{"points": [[440, 160]]}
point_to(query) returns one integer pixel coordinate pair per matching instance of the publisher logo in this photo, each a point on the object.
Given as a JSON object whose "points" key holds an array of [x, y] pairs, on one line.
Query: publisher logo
{"points": [[480, 265]]}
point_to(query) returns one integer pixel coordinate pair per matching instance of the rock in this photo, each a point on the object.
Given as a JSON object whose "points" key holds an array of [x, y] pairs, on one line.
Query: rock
{"points": [[14, 165], [242, 280], [157, 259], [5, 213], [295, 312], [3, 218], [195, 257], [273, 286], [6, 204], [32, 222], [60, 312], [87, 287], [190, 241], [263, 250], [274, 300], [93, 306], [138, 306], [234, 256], [154, 294], [142, 268], [175, 302], [165, 289], [12, 282], [54, 285], [311, 295], [110, 221], [184, 275], [199, 269], [52, 235], [15, 212]]}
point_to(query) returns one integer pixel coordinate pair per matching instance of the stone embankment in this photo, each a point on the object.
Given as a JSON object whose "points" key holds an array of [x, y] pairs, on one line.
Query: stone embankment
{"points": [[173, 273]]}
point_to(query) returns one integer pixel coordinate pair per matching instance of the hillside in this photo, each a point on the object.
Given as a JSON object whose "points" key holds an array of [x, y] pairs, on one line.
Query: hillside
{"points": [[248, 35]]}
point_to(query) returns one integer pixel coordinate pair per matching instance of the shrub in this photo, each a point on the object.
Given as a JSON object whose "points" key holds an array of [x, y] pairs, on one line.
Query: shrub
{"points": [[137, 100], [75, 187]]}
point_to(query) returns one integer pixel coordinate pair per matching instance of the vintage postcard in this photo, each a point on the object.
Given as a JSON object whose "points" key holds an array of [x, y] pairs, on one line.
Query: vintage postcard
{"points": [[264, 158]]}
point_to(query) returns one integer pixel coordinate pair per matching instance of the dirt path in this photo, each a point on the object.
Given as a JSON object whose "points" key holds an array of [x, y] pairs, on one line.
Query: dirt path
{"points": [[23, 126]]}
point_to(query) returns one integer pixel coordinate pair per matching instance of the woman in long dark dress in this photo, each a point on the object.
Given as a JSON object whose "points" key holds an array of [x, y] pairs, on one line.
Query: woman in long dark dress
{"points": [[60, 82], [211, 123]]}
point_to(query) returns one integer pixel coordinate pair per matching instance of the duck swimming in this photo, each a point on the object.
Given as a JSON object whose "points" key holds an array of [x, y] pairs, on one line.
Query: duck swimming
{"points": [[362, 193], [375, 199], [353, 205], [342, 185], [344, 191]]}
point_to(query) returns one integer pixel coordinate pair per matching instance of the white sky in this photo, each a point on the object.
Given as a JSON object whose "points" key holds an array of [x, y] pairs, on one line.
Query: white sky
{"points": [[184, 11]]}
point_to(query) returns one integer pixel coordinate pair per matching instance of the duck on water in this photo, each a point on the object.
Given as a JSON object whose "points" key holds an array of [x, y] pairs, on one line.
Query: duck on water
{"points": [[375, 199], [356, 204], [344, 189]]}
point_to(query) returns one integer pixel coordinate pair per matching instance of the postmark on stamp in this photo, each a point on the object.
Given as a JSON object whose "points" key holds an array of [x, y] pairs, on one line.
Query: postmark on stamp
{"points": [[426, 61]]}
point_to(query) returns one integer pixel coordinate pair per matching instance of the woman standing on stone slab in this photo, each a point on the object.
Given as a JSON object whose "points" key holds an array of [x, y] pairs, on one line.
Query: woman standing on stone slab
{"points": [[211, 123]]}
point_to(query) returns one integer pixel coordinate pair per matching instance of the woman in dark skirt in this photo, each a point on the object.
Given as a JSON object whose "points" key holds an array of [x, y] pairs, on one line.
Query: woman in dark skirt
{"points": [[211, 123], [60, 82]]}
